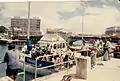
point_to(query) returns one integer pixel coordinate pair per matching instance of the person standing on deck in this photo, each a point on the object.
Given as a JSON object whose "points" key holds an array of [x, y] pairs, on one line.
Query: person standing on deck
{"points": [[12, 59]]}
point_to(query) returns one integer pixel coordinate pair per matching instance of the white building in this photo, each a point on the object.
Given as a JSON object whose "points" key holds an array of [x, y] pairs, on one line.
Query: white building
{"points": [[19, 26], [113, 30]]}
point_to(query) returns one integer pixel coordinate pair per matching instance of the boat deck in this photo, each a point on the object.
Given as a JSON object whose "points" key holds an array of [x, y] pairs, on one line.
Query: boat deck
{"points": [[109, 71]]}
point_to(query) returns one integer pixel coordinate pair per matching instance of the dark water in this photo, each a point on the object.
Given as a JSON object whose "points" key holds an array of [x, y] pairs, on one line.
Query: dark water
{"points": [[3, 49]]}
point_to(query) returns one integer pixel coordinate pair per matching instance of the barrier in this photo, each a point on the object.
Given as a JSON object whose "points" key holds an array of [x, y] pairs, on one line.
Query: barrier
{"points": [[36, 65]]}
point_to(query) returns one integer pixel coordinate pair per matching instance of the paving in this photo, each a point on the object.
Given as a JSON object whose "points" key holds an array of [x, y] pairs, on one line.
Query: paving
{"points": [[103, 71]]}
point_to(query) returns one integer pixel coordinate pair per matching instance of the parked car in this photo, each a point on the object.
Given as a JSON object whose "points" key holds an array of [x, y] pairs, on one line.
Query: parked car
{"points": [[116, 51], [118, 43]]}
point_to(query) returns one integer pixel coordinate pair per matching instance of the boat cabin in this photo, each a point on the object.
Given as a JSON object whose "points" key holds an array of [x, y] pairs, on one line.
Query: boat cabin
{"points": [[53, 41]]}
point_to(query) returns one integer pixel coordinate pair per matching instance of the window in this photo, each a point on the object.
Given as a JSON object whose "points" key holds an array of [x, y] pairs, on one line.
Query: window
{"points": [[38, 20], [38, 27], [63, 45]]}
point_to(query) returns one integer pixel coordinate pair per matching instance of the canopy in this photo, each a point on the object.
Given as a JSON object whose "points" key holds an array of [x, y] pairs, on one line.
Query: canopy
{"points": [[51, 38]]}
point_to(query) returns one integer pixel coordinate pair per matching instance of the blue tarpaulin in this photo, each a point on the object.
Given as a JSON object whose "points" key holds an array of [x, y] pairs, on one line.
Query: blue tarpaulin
{"points": [[39, 62]]}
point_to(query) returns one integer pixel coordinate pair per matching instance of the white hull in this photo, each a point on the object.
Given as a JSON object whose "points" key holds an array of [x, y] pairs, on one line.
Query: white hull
{"points": [[31, 69]]}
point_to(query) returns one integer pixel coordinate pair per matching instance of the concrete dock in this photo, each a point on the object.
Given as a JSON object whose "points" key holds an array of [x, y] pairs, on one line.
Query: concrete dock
{"points": [[5, 79], [109, 71]]}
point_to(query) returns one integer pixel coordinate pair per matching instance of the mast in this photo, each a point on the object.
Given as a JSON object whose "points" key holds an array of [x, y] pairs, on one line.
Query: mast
{"points": [[28, 32]]}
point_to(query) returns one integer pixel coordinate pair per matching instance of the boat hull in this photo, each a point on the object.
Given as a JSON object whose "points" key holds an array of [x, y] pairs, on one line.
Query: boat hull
{"points": [[77, 49], [31, 69]]}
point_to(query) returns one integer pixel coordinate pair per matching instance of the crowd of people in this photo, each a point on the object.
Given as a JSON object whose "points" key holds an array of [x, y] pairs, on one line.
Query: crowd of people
{"points": [[55, 53], [99, 47]]}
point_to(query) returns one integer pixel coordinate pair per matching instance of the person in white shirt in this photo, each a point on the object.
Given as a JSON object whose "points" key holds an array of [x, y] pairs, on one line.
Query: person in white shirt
{"points": [[84, 49], [93, 54]]}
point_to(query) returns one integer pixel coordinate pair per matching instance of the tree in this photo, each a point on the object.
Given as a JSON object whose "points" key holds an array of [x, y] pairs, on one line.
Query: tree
{"points": [[3, 29]]}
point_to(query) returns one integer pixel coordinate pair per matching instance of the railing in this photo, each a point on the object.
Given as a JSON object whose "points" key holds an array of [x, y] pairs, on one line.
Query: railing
{"points": [[60, 63]]}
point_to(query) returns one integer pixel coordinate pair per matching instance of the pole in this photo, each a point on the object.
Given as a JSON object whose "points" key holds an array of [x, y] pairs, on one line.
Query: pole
{"points": [[28, 36], [82, 20], [35, 69], [24, 69], [115, 30], [82, 26]]}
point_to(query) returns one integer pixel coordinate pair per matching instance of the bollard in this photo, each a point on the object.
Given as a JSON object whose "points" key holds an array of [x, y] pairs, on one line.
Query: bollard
{"points": [[81, 67]]}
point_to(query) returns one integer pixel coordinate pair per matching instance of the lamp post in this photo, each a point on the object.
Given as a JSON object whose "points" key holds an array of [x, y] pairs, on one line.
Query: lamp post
{"points": [[82, 25], [82, 19], [28, 36]]}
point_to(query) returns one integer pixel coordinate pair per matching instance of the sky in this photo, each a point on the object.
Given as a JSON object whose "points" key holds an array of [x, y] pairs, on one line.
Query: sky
{"points": [[97, 14]]}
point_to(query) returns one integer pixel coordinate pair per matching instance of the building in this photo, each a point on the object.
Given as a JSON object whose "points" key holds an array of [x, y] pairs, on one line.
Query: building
{"points": [[113, 30], [19, 26]]}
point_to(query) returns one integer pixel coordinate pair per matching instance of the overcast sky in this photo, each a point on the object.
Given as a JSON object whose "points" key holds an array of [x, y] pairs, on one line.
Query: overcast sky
{"points": [[98, 14]]}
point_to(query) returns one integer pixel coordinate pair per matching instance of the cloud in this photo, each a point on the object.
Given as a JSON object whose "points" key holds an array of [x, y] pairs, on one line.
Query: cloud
{"points": [[98, 14], [84, 5]]}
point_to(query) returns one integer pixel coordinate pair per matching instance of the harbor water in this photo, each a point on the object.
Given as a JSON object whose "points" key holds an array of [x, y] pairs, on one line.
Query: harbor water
{"points": [[3, 49]]}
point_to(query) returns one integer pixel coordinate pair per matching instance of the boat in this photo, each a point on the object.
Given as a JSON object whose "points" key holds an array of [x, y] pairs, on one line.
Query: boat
{"points": [[77, 46], [52, 40], [30, 65]]}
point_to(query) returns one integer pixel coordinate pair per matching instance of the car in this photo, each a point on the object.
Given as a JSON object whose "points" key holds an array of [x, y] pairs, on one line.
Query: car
{"points": [[118, 43], [116, 51]]}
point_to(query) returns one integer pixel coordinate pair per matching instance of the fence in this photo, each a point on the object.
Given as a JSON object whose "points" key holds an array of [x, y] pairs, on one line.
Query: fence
{"points": [[60, 65]]}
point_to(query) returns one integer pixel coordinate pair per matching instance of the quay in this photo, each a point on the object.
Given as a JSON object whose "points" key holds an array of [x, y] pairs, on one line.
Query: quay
{"points": [[109, 71], [5, 41], [6, 79]]}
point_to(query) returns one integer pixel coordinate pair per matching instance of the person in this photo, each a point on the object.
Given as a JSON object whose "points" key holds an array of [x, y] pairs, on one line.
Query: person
{"points": [[36, 53], [65, 59], [105, 50], [109, 49], [12, 59], [84, 49], [93, 54]]}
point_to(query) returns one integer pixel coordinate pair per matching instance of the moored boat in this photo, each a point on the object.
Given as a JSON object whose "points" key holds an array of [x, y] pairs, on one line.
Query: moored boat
{"points": [[57, 45]]}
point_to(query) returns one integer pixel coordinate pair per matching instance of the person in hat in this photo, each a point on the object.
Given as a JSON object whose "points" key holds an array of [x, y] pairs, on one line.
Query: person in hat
{"points": [[12, 59]]}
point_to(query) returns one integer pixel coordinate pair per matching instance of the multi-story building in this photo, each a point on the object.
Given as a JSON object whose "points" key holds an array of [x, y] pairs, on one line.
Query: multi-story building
{"points": [[19, 26], [113, 30]]}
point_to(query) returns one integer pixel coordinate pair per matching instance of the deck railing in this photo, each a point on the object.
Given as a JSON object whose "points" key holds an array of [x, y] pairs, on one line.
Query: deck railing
{"points": [[60, 63]]}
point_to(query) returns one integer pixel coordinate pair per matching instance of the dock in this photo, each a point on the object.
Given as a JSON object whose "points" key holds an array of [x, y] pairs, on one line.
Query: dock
{"points": [[5, 79], [4, 41], [109, 71]]}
